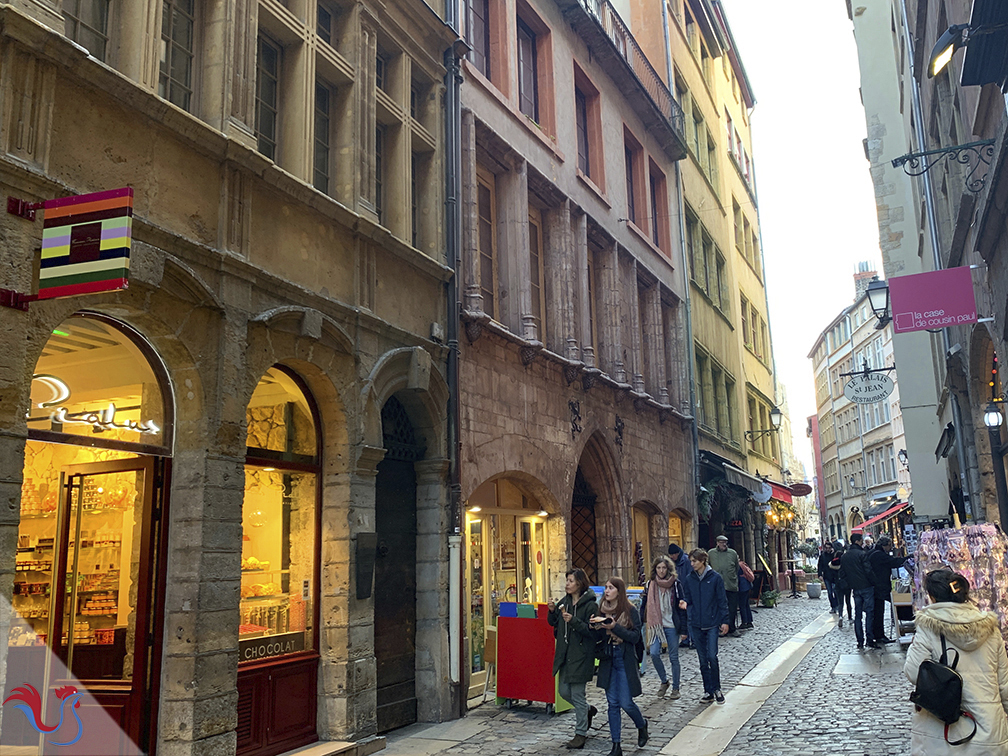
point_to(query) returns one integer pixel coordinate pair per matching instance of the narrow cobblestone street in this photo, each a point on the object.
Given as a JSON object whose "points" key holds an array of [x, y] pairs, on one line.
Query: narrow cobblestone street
{"points": [[836, 700]]}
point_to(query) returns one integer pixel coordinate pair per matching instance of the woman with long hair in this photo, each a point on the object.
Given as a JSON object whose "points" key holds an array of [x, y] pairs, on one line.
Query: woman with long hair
{"points": [[574, 659], [952, 621], [619, 631], [664, 619]]}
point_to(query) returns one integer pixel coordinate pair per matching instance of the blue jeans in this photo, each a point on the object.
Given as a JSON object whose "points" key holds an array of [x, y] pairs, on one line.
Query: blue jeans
{"points": [[831, 591], [864, 601], [618, 696], [672, 639], [706, 646]]}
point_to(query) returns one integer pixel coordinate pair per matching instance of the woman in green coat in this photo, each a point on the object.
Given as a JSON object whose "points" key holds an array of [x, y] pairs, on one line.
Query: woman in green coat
{"points": [[574, 658]]}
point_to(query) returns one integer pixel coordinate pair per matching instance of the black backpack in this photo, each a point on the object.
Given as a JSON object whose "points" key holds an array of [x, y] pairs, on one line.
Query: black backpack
{"points": [[939, 691]]}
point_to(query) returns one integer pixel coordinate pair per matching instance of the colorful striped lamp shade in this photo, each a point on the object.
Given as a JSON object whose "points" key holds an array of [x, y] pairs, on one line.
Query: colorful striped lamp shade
{"points": [[86, 244]]}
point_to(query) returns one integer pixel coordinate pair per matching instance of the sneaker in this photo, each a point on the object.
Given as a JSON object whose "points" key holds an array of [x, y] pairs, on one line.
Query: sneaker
{"points": [[674, 694], [592, 711], [663, 689], [576, 743], [707, 698], [719, 696]]}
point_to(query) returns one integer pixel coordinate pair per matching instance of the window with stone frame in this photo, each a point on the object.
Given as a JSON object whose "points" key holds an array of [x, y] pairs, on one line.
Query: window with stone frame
{"points": [[322, 136], [86, 22], [379, 160], [537, 271], [267, 96], [746, 333], [588, 117], [659, 226], [486, 238], [478, 35], [528, 72], [178, 52]]}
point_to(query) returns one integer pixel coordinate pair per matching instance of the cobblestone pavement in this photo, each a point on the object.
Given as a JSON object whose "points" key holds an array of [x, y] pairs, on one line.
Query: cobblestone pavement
{"points": [[813, 713]]}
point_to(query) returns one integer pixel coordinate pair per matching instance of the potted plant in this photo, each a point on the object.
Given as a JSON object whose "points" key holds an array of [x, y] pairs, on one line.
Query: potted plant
{"points": [[769, 598], [813, 588]]}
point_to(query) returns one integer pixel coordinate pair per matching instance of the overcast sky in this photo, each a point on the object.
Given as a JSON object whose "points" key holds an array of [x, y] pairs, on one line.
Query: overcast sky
{"points": [[816, 202]]}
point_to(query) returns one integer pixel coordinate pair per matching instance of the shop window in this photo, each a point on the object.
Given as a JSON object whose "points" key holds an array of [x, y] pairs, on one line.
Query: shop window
{"points": [[641, 543], [279, 520]]}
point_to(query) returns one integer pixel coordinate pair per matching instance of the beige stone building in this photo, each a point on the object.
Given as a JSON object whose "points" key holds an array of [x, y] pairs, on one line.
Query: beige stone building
{"points": [[574, 382], [218, 455]]}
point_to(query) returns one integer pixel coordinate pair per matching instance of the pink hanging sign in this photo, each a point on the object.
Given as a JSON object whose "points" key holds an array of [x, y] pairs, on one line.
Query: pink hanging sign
{"points": [[932, 300]]}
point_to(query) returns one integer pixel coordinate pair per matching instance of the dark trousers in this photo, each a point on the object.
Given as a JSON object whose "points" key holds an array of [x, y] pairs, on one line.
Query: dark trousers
{"points": [[732, 609], [844, 597], [706, 646], [831, 591], [745, 611], [864, 604], [879, 626]]}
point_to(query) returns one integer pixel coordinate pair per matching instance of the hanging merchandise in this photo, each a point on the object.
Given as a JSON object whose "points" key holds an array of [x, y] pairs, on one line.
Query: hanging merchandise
{"points": [[976, 551]]}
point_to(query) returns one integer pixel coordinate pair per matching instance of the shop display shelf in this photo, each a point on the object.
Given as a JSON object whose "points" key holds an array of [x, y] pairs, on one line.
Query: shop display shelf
{"points": [[274, 597]]}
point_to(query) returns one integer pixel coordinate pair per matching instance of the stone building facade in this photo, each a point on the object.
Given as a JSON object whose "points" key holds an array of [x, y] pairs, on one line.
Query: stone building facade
{"points": [[575, 436], [288, 266]]}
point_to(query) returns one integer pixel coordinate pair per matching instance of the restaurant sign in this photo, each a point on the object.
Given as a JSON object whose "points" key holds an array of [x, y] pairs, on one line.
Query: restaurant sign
{"points": [[271, 645], [868, 388]]}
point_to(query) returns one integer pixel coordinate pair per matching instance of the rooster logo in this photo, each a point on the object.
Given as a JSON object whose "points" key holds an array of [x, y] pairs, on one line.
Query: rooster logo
{"points": [[31, 705]]}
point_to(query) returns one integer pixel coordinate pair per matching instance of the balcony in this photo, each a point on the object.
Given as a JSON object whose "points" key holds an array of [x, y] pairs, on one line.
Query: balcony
{"points": [[598, 23]]}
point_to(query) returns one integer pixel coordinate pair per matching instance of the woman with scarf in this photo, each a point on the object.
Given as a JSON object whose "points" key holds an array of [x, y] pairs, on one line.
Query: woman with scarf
{"points": [[665, 620], [619, 631], [574, 658]]}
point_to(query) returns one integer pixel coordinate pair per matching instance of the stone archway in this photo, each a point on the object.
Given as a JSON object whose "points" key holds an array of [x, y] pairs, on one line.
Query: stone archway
{"points": [[597, 516]]}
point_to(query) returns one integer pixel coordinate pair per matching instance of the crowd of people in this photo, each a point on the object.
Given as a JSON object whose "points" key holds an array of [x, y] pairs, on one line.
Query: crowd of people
{"points": [[690, 601]]}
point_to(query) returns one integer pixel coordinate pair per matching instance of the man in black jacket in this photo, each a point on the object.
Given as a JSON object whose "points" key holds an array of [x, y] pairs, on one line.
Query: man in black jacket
{"points": [[882, 565], [856, 572], [827, 575]]}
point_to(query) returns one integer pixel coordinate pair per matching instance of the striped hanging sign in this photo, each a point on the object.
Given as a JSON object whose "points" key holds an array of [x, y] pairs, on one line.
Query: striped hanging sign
{"points": [[86, 244]]}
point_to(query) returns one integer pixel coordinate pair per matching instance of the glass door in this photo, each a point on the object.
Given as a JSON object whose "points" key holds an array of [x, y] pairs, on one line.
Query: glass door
{"points": [[478, 617], [532, 564]]}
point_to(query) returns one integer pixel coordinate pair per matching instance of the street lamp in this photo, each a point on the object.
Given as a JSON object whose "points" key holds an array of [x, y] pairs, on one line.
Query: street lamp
{"points": [[878, 298], [904, 459], [956, 36], [993, 419], [775, 421]]}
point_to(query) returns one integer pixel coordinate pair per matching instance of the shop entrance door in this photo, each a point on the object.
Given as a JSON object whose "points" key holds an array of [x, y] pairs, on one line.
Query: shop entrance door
{"points": [[101, 629], [584, 551]]}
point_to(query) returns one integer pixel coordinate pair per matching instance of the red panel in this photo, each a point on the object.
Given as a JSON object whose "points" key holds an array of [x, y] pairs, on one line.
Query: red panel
{"points": [[525, 659], [292, 693], [277, 705]]}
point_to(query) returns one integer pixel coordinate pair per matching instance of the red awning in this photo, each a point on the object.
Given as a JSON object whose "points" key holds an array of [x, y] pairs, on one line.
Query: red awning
{"points": [[781, 493], [891, 512]]}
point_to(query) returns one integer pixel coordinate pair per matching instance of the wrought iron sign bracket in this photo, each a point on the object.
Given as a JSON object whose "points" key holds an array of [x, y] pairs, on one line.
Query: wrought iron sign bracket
{"points": [[970, 154]]}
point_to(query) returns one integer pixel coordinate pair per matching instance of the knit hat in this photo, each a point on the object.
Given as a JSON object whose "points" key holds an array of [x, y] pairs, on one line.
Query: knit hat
{"points": [[673, 549]]}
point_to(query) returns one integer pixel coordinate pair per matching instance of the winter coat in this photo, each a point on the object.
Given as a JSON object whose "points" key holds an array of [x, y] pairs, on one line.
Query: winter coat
{"points": [[707, 600], [881, 570], [983, 666], [575, 640], [679, 618], [823, 570], [604, 650], [854, 569], [726, 564], [835, 571]]}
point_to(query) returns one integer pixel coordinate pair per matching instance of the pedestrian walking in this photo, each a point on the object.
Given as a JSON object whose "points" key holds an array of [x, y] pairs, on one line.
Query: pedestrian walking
{"points": [[708, 617], [664, 620], [827, 575], [683, 569], [618, 631], [843, 591], [745, 584], [574, 658], [725, 561], [882, 564], [974, 637], [856, 571]]}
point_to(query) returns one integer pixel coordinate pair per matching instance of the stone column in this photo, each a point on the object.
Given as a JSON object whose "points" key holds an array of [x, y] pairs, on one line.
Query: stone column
{"points": [[654, 333], [514, 284], [473, 299], [364, 84], [562, 279], [138, 56], [295, 140], [609, 318], [583, 292], [432, 661], [632, 296]]}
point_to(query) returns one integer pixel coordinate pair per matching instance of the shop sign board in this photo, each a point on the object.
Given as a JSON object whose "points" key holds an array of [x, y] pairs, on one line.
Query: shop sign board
{"points": [[868, 388], [271, 645], [932, 300], [734, 526], [763, 508]]}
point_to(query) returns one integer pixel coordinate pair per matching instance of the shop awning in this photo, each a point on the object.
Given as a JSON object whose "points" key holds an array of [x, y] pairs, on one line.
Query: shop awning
{"points": [[743, 479], [986, 60], [781, 492], [891, 512]]}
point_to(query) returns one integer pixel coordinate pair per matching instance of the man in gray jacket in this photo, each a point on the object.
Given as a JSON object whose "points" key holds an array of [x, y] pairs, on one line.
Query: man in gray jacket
{"points": [[725, 562]]}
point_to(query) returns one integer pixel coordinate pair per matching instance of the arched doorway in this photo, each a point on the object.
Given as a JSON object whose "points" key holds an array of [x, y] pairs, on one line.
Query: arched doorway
{"points": [[93, 504], [278, 638], [599, 522], [395, 616], [584, 539]]}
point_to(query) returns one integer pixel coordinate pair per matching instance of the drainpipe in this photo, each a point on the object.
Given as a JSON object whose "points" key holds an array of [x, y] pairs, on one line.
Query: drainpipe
{"points": [[453, 119], [965, 481]]}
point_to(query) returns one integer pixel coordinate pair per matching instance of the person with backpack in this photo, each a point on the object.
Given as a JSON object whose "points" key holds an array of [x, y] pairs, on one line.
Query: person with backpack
{"points": [[618, 634], [664, 620], [976, 650], [574, 658], [707, 604]]}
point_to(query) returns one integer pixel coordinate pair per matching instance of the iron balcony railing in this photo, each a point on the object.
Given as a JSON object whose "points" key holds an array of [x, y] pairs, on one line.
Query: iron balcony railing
{"points": [[618, 33]]}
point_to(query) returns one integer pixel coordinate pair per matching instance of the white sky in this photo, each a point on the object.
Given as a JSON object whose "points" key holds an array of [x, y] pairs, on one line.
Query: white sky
{"points": [[816, 201]]}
